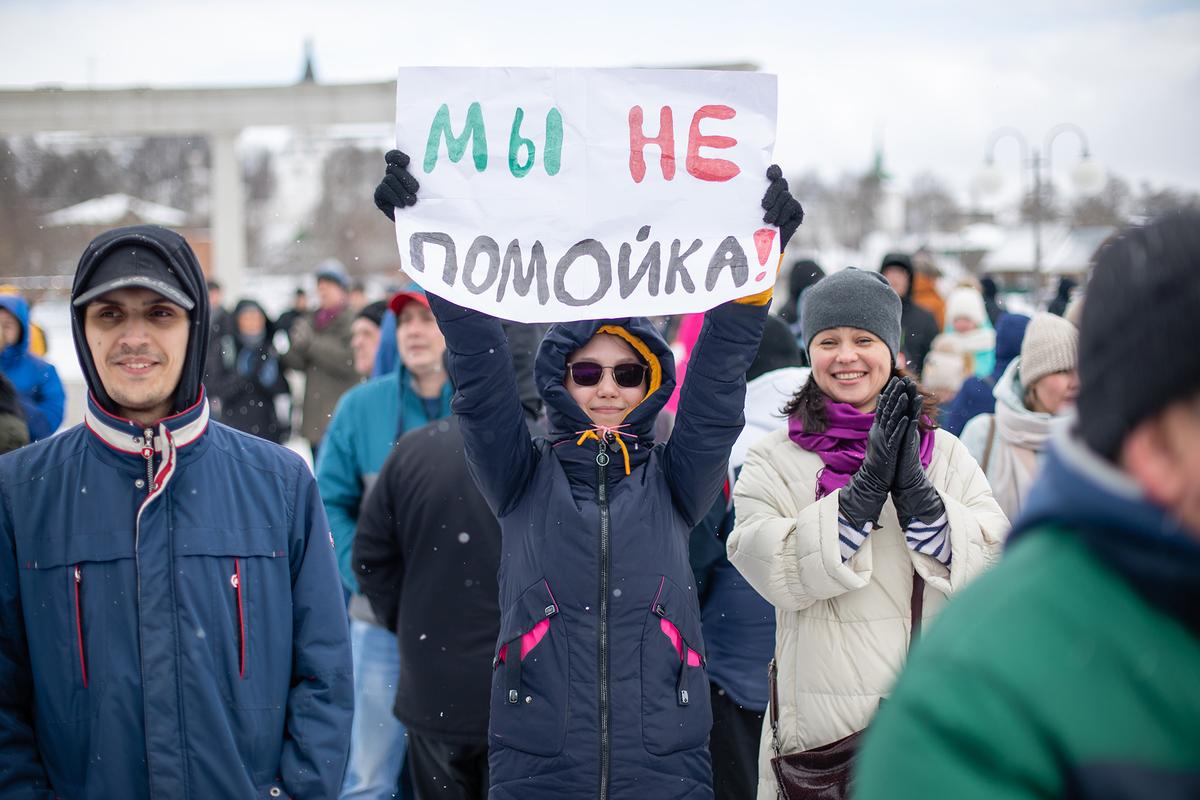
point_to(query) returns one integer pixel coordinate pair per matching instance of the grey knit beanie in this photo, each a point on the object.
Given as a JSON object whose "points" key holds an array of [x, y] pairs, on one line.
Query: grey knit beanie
{"points": [[853, 298], [1051, 345]]}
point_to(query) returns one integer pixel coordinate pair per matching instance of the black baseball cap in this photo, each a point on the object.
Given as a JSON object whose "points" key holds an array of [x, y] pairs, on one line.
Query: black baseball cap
{"points": [[134, 265]]}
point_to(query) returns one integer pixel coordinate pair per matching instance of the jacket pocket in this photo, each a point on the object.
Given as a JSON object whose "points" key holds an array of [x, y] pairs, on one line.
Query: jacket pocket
{"points": [[66, 629], [530, 675], [236, 588], [676, 706]]}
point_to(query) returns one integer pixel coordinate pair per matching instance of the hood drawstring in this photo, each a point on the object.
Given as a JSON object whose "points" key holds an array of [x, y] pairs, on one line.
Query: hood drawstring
{"points": [[602, 432]]}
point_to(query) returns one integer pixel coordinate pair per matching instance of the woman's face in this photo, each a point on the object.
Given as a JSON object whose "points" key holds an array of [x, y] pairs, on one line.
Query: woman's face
{"points": [[851, 366], [251, 322], [1054, 393], [964, 324], [607, 402]]}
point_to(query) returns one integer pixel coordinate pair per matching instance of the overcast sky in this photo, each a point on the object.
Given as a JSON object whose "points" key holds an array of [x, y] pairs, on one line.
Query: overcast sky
{"points": [[931, 81]]}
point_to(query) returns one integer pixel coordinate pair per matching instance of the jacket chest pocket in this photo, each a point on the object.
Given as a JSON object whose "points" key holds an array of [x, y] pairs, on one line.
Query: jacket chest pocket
{"points": [[78, 601], [234, 591], [530, 675], [676, 706]]}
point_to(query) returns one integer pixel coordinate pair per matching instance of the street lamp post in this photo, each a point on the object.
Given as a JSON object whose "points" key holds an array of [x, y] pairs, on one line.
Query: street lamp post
{"points": [[1087, 176]]}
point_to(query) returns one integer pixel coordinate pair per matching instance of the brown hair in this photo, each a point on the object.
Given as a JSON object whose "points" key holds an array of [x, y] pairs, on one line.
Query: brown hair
{"points": [[808, 405]]}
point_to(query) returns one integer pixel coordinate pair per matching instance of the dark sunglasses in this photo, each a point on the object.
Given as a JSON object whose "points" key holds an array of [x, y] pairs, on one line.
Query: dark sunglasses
{"points": [[589, 373]]}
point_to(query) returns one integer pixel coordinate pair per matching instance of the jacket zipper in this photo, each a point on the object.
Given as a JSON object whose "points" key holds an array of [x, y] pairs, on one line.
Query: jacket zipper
{"points": [[148, 454], [681, 682], [237, 585], [79, 625], [602, 460]]}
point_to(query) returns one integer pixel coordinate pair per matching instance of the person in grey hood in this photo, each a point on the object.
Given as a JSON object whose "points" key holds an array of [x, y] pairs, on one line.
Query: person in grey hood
{"points": [[173, 625]]}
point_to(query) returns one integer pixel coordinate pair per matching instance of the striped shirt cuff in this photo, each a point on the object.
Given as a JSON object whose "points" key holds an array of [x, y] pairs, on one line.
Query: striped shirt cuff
{"points": [[930, 538], [851, 538]]}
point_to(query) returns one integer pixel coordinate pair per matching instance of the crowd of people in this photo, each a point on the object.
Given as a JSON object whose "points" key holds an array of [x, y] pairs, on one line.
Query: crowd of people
{"points": [[937, 547]]}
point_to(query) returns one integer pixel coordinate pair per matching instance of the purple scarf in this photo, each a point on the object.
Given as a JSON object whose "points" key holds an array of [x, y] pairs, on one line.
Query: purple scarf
{"points": [[843, 445]]}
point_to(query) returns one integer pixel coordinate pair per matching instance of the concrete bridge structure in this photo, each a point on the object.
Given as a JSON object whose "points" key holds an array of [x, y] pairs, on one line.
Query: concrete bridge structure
{"points": [[219, 114]]}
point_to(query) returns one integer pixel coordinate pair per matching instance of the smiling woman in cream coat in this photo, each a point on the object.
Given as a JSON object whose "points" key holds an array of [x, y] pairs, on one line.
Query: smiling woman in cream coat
{"points": [[819, 509]]}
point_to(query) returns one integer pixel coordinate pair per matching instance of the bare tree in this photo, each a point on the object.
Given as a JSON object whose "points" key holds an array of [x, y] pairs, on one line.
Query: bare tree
{"points": [[1111, 206], [345, 224], [1153, 202], [931, 206]]}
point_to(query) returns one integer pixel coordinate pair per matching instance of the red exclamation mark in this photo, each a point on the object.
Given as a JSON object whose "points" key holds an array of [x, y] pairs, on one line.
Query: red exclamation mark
{"points": [[763, 239]]}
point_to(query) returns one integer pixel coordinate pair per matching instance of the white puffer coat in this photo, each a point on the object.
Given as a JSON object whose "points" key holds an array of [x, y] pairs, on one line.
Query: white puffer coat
{"points": [[843, 629]]}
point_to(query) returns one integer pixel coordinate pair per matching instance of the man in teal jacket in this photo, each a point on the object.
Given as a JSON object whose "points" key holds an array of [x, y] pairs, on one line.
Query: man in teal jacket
{"points": [[1072, 669], [366, 424]]}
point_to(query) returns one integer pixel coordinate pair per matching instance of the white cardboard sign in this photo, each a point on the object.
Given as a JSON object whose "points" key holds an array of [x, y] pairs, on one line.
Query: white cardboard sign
{"points": [[564, 194]]}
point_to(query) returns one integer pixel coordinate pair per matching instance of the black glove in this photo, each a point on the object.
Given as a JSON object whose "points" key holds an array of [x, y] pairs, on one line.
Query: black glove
{"points": [[861, 500], [912, 492], [398, 187], [783, 210]]}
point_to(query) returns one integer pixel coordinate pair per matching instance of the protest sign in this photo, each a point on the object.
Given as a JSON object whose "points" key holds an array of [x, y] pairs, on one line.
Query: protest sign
{"points": [[563, 194]]}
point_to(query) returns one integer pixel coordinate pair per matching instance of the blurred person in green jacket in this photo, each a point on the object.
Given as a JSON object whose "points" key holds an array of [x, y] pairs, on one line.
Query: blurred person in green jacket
{"points": [[1073, 668]]}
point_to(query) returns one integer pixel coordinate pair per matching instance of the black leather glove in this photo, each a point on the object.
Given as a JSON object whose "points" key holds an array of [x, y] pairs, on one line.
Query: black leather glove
{"points": [[912, 492], [398, 187], [783, 210], [861, 500]]}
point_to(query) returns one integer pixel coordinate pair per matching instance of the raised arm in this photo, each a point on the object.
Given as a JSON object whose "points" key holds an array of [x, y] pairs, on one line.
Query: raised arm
{"points": [[499, 450], [713, 397], [711, 406], [486, 399]]}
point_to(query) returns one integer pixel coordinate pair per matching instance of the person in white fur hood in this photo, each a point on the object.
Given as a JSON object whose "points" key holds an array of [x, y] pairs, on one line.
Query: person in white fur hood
{"points": [[966, 347]]}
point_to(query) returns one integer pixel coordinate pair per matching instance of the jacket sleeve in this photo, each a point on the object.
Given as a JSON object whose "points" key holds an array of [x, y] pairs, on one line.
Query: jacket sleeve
{"points": [[50, 401], [35, 421], [978, 527], [378, 555], [341, 487], [499, 451], [974, 436], [711, 406], [21, 772], [330, 352], [320, 703], [791, 557]]}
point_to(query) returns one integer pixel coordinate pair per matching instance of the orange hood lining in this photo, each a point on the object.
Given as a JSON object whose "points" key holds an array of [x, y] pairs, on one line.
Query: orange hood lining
{"points": [[647, 355]]}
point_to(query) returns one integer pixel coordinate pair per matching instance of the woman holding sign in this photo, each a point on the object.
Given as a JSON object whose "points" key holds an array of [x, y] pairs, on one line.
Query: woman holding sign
{"points": [[599, 686], [856, 522]]}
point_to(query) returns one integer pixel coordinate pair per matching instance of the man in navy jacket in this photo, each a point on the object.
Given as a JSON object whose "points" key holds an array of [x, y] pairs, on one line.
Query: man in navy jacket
{"points": [[171, 623]]}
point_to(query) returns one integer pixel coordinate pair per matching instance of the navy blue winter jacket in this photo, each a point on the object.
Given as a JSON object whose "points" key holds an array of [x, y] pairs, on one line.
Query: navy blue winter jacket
{"points": [[599, 688], [171, 621]]}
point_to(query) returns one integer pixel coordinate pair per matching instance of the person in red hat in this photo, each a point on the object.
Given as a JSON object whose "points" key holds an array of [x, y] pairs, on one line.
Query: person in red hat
{"points": [[366, 424]]}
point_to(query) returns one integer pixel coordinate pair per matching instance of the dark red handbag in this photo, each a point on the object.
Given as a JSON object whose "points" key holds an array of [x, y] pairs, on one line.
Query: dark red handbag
{"points": [[824, 773]]}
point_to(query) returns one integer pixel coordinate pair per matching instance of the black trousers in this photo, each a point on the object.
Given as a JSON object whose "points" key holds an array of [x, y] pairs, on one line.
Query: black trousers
{"points": [[733, 745], [442, 770]]}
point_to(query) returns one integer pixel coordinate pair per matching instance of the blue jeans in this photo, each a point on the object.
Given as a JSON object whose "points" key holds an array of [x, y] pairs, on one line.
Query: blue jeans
{"points": [[377, 740]]}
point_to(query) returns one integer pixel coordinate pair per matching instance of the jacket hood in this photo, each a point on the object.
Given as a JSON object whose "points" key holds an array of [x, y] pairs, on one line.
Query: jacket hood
{"points": [[1010, 332], [564, 414], [1009, 390], [766, 396], [904, 262], [242, 305], [1142, 542], [16, 305], [178, 255]]}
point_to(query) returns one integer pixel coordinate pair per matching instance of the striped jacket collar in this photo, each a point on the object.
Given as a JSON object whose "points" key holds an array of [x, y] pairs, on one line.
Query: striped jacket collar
{"points": [[125, 435]]}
